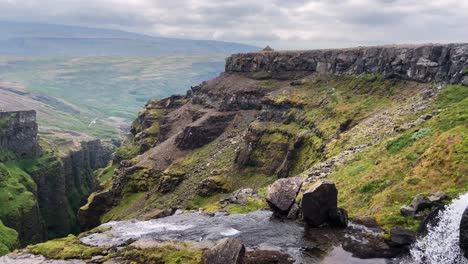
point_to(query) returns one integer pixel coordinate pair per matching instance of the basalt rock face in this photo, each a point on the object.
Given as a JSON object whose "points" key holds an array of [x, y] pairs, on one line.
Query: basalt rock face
{"points": [[422, 63], [64, 185], [18, 133]]}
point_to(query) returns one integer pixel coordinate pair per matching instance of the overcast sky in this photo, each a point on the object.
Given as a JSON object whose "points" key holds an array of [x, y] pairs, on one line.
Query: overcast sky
{"points": [[283, 24]]}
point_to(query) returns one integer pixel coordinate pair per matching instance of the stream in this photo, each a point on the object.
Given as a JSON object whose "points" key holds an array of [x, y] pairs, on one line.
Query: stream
{"points": [[257, 230]]}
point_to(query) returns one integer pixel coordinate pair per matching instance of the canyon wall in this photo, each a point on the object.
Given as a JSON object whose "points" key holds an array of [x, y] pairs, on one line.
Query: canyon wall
{"points": [[40, 189], [423, 63], [18, 133]]}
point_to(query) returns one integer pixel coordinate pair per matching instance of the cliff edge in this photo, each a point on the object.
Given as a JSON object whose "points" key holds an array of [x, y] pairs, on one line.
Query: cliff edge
{"points": [[423, 63]]}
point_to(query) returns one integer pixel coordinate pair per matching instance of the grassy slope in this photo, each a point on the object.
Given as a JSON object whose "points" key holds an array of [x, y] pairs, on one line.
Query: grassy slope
{"points": [[425, 159]]}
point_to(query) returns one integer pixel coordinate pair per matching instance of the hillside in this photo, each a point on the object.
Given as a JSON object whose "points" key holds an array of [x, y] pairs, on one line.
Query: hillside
{"points": [[33, 39], [384, 124]]}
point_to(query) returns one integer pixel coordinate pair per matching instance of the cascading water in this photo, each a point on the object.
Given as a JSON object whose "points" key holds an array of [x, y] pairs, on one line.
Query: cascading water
{"points": [[441, 244]]}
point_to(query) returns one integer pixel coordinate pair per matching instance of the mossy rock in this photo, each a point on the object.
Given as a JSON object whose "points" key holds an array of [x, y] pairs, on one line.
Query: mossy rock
{"points": [[68, 247]]}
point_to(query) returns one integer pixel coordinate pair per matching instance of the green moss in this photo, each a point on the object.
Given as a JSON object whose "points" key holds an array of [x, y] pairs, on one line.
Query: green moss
{"points": [[176, 253], [17, 197], [68, 247], [8, 239], [4, 121], [126, 151], [251, 206]]}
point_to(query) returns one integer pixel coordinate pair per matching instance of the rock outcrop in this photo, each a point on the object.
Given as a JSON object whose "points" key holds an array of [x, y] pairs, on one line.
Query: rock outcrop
{"points": [[424, 63], [18, 133], [402, 237]]}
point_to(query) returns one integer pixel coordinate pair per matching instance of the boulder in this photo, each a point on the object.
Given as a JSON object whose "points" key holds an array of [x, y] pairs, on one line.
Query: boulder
{"points": [[407, 211], [402, 237], [464, 233], [282, 194], [338, 217], [420, 203], [226, 251], [437, 197], [318, 201]]}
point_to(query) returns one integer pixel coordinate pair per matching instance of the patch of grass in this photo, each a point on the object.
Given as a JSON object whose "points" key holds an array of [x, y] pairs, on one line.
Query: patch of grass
{"points": [[120, 211], [8, 239], [68, 247], [175, 253], [251, 206], [17, 197], [126, 151], [406, 140]]}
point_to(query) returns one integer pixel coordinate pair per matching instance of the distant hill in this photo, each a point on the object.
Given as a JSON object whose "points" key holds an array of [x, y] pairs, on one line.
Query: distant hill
{"points": [[33, 39]]}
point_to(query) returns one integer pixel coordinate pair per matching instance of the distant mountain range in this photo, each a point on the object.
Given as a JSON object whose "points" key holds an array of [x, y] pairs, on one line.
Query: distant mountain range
{"points": [[33, 39]]}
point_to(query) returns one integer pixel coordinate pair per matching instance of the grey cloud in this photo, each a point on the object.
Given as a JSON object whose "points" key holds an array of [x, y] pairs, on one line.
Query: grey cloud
{"points": [[285, 23]]}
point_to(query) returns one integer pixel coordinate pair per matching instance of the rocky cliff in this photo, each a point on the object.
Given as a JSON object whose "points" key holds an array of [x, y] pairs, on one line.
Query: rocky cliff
{"points": [[18, 133], [41, 189], [422, 63]]}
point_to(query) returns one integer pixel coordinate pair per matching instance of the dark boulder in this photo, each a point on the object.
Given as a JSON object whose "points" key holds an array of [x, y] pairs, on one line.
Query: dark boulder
{"points": [[464, 233], [318, 201], [420, 203], [282, 193], [226, 251], [402, 237], [430, 220], [338, 217]]}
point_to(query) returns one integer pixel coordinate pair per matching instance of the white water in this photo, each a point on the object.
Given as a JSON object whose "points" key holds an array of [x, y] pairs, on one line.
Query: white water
{"points": [[441, 244]]}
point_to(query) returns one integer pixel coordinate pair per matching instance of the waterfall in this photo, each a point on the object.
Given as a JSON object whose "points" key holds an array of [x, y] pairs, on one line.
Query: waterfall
{"points": [[441, 244]]}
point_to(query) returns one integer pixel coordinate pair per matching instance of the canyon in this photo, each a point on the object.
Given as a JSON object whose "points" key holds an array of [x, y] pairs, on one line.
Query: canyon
{"points": [[381, 124]]}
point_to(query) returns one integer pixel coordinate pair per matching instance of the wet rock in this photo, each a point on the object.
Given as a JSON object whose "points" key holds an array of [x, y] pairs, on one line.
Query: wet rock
{"points": [[338, 217], [402, 237], [464, 233], [226, 251], [430, 220], [318, 201], [267, 257], [282, 194]]}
